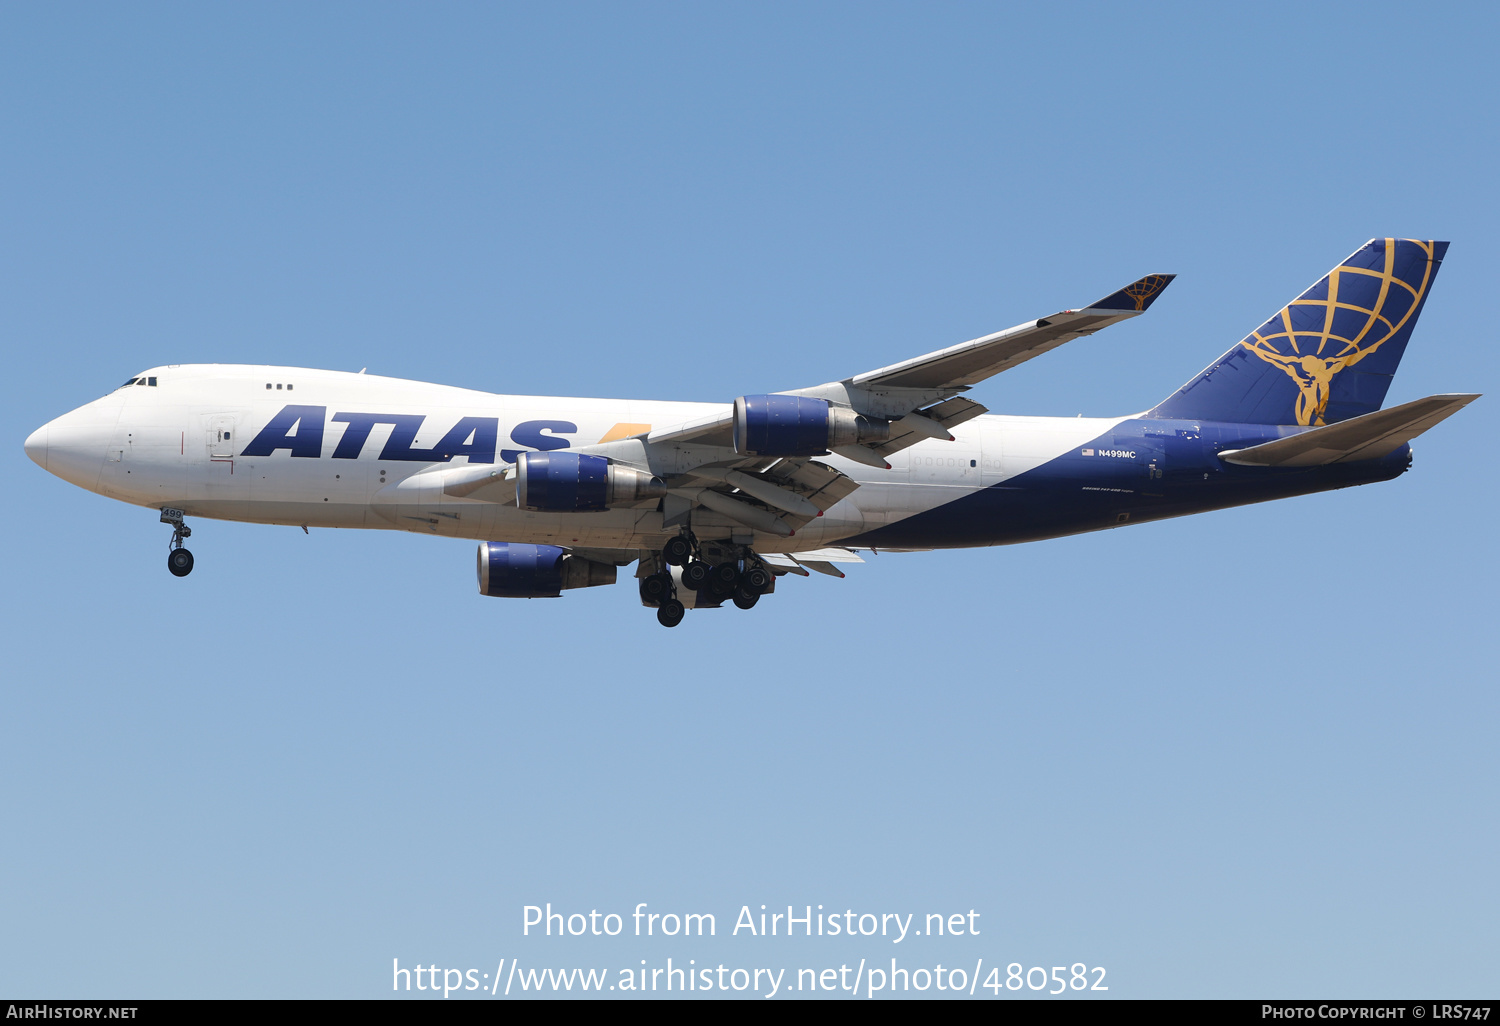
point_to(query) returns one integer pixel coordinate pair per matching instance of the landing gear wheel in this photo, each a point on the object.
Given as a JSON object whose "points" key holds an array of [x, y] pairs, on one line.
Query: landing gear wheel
{"points": [[756, 579], [180, 562], [723, 579], [670, 613], [656, 587], [695, 574], [745, 598], [677, 551]]}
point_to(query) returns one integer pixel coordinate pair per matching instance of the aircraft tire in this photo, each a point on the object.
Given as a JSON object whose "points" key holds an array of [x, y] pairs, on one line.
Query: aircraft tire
{"points": [[656, 587], [180, 562], [723, 578], [695, 574], [677, 551], [670, 613], [745, 598], [756, 579]]}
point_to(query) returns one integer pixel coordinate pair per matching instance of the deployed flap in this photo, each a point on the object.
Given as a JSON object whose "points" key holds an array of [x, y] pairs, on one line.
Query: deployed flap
{"points": [[948, 414], [781, 564], [1363, 438], [828, 555], [971, 362], [822, 485], [822, 560]]}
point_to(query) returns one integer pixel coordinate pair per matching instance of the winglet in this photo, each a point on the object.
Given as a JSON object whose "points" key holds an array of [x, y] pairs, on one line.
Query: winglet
{"points": [[1137, 296]]}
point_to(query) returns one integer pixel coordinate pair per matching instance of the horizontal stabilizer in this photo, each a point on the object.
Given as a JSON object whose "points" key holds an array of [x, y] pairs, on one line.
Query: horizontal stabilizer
{"points": [[1363, 438]]}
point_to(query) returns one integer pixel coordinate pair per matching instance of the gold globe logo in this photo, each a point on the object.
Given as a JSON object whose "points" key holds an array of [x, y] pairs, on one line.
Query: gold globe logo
{"points": [[1141, 291], [1313, 356]]}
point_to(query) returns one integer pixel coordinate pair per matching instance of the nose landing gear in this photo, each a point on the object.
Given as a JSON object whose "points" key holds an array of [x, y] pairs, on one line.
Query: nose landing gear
{"points": [[180, 562], [179, 559]]}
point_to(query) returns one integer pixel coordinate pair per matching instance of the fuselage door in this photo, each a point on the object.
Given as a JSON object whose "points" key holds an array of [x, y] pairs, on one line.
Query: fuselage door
{"points": [[221, 441]]}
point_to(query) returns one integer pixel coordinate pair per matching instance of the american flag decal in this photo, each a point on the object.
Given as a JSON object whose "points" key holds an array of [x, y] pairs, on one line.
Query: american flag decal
{"points": [[1088, 452]]}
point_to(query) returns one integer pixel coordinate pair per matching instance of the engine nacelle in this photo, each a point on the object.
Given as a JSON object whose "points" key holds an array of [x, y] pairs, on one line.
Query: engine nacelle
{"points": [[794, 425], [516, 570], [570, 482]]}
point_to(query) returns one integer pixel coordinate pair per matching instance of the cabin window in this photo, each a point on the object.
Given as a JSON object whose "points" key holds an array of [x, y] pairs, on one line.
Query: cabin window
{"points": [[278, 388], [268, 386]]}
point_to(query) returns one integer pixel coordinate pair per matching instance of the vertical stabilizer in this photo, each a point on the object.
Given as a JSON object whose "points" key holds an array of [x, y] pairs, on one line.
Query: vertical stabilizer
{"points": [[1329, 354]]}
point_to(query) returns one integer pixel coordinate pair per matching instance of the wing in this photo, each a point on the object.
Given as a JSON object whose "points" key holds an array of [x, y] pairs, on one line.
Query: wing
{"points": [[907, 402], [912, 387], [971, 362]]}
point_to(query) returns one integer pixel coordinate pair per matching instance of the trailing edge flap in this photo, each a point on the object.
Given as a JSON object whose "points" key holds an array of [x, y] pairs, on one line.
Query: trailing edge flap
{"points": [[948, 414], [1367, 437], [793, 492], [782, 563], [821, 560], [829, 555], [819, 483]]}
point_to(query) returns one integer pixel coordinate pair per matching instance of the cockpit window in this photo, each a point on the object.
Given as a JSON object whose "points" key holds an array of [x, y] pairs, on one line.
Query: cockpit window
{"points": [[148, 382]]}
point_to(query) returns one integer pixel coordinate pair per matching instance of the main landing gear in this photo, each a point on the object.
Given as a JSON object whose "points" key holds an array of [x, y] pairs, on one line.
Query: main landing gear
{"points": [[658, 590], [713, 575], [179, 559]]}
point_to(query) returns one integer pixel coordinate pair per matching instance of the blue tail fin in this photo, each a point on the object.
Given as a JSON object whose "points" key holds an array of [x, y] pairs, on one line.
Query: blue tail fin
{"points": [[1329, 354]]}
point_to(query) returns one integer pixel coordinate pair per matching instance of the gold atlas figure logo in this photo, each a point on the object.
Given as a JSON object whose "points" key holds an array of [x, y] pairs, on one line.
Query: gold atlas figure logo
{"points": [[1143, 290], [1318, 354]]}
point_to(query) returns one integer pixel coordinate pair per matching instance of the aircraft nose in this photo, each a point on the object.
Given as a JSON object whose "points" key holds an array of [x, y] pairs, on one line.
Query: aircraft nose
{"points": [[73, 446], [36, 446]]}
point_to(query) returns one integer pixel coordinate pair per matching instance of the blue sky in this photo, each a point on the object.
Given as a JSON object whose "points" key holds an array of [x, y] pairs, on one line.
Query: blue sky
{"points": [[1243, 754]]}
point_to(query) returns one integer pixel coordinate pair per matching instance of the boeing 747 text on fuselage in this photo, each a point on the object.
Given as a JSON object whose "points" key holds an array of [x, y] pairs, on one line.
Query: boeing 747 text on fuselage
{"points": [[715, 501]]}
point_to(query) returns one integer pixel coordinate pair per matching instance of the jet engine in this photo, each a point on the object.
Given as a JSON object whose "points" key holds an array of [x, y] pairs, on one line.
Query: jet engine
{"points": [[515, 570], [570, 482], [794, 425]]}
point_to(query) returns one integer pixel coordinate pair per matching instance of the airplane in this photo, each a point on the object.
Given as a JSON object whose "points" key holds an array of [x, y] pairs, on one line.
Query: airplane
{"points": [[718, 501]]}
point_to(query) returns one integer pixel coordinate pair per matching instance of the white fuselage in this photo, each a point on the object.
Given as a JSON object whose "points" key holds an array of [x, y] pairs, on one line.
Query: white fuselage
{"points": [[181, 443]]}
